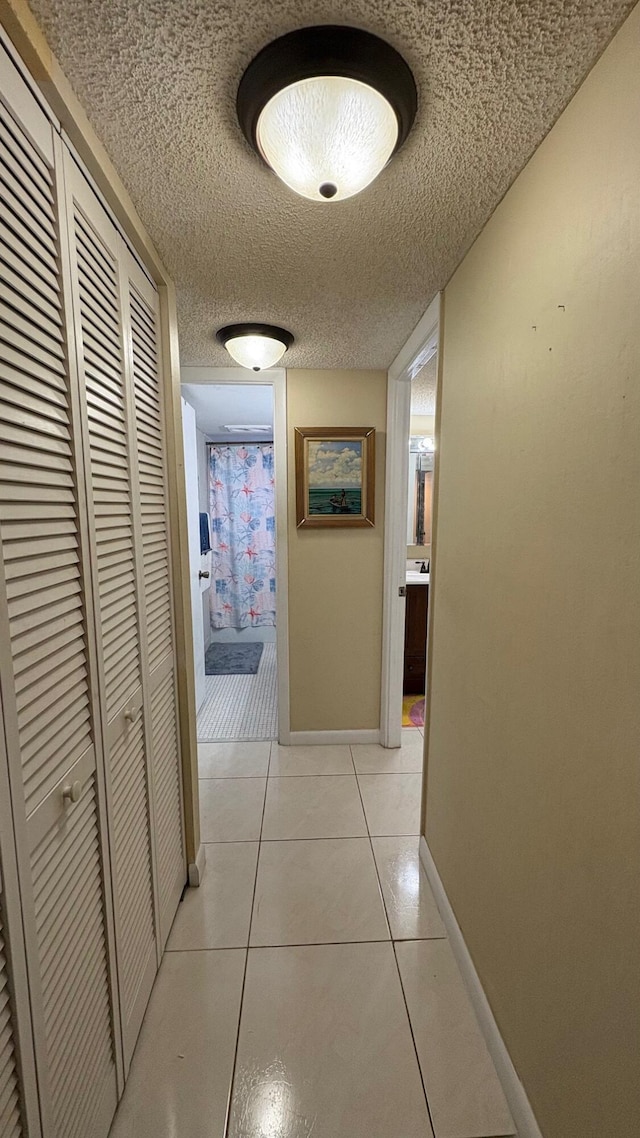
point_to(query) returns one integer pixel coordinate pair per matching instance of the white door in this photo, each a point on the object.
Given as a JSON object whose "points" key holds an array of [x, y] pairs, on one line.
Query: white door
{"points": [[112, 506], [193, 522], [154, 580], [48, 662], [92, 811]]}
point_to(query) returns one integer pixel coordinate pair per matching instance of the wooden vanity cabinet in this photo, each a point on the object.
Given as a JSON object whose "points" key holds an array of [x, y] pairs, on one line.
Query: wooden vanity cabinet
{"points": [[415, 639]]}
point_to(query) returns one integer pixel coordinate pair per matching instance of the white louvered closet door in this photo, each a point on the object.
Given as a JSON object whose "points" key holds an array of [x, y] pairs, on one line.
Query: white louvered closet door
{"points": [[47, 667], [112, 502], [155, 584]]}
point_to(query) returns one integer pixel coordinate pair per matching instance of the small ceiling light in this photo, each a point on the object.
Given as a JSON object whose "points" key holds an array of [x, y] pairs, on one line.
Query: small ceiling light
{"points": [[255, 346], [326, 107]]}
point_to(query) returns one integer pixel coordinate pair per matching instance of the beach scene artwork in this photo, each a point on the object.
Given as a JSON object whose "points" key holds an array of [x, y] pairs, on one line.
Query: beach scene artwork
{"points": [[334, 476]]}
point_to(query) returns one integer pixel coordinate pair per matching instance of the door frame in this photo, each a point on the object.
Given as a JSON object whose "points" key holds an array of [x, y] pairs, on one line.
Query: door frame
{"points": [[277, 379], [423, 343]]}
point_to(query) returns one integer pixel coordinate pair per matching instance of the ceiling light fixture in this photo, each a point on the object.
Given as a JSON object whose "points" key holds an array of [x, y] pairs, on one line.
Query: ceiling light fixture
{"points": [[255, 346], [326, 108]]}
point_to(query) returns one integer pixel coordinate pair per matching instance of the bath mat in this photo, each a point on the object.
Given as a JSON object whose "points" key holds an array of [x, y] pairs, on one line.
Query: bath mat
{"points": [[413, 711], [233, 659]]}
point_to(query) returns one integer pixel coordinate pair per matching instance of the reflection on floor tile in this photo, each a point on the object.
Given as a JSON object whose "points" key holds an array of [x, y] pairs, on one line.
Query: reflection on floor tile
{"points": [[231, 809], [218, 913], [233, 760], [324, 1047], [411, 907], [310, 760], [327, 806], [310, 892], [242, 707], [465, 1097], [391, 803], [182, 1067], [405, 759]]}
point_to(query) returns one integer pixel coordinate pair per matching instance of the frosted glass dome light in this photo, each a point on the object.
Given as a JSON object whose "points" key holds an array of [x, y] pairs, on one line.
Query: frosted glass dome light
{"points": [[255, 346], [329, 137], [326, 108]]}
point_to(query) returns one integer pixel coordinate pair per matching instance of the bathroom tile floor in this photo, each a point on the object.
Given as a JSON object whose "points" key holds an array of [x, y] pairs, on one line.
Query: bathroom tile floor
{"points": [[309, 989], [242, 707]]}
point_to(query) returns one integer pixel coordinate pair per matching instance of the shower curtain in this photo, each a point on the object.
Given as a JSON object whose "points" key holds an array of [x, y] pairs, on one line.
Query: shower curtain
{"points": [[241, 503]]}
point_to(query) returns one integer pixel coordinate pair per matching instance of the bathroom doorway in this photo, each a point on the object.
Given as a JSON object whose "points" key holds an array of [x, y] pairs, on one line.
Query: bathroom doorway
{"points": [[411, 489], [235, 470], [419, 530]]}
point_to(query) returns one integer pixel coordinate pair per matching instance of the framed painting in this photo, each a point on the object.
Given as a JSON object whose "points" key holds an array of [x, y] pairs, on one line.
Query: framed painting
{"points": [[335, 477]]}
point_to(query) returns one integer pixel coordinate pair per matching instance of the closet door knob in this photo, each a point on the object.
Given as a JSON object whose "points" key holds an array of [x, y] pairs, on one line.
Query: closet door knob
{"points": [[72, 792], [202, 574], [131, 716]]}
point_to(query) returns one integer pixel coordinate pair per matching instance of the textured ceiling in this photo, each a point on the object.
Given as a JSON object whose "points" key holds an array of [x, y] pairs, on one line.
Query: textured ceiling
{"points": [[423, 389], [350, 279]]}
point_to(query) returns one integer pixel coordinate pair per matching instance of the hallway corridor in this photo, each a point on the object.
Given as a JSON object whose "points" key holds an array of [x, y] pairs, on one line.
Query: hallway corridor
{"points": [[309, 988]]}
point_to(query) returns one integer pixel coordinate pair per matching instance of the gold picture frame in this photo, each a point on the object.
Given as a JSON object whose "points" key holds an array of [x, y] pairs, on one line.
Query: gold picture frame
{"points": [[335, 477]]}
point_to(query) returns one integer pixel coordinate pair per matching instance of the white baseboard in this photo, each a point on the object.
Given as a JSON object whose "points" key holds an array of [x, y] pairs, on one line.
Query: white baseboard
{"points": [[514, 1091], [197, 868], [329, 738]]}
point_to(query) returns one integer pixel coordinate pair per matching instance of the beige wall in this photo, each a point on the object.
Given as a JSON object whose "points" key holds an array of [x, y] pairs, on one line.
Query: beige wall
{"points": [[533, 805], [422, 425], [335, 577], [418, 552]]}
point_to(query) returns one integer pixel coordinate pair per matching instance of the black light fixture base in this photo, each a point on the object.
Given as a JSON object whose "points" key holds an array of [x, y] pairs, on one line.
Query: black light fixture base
{"points": [[230, 331], [326, 50]]}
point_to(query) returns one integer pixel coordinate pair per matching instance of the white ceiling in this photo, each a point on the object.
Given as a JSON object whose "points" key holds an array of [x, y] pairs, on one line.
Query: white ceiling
{"points": [[350, 279], [218, 404], [423, 389]]}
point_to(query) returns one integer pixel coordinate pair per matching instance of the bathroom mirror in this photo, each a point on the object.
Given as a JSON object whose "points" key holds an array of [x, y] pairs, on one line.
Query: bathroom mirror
{"points": [[421, 460]]}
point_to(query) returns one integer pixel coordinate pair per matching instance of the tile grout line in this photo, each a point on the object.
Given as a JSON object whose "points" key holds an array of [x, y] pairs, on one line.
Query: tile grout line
{"points": [[307, 944], [316, 838], [230, 777], [324, 774], [413, 1038], [321, 774], [395, 957], [375, 864], [227, 1121], [236, 739]]}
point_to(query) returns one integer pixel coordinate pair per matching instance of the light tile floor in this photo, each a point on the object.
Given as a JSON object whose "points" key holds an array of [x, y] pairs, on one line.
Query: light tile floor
{"points": [[242, 707], [309, 990]]}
